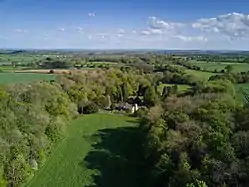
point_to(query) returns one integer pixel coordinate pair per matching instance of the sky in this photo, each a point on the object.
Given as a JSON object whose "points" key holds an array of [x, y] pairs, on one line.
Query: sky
{"points": [[126, 24]]}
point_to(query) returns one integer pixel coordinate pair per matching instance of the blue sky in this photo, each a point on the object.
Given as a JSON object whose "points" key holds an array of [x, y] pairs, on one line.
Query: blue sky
{"points": [[128, 24]]}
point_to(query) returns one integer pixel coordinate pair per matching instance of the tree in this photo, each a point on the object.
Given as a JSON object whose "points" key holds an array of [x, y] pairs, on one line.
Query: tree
{"points": [[197, 183], [229, 68], [150, 96]]}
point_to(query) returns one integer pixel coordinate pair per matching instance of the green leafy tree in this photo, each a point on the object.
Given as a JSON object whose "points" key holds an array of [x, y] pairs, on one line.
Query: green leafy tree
{"points": [[150, 96], [229, 68]]}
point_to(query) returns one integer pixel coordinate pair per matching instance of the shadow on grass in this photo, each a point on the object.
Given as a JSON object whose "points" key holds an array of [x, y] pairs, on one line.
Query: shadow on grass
{"points": [[117, 156]]}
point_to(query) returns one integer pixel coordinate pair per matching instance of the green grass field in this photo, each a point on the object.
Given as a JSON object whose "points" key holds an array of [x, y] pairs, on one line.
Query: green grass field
{"points": [[201, 75], [98, 150], [9, 78], [242, 92], [210, 66], [23, 59], [181, 87]]}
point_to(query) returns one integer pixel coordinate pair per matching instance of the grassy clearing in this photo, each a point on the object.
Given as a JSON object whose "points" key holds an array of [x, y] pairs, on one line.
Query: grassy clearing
{"points": [[99, 150], [181, 87], [9, 78], [242, 92], [210, 66], [201, 75]]}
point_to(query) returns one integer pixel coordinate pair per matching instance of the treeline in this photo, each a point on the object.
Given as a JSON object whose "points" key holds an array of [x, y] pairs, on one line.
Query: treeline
{"points": [[242, 77], [221, 58], [32, 118], [76, 61]]}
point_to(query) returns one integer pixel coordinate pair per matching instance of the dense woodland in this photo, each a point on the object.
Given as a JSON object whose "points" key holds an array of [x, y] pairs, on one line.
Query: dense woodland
{"points": [[195, 139]]}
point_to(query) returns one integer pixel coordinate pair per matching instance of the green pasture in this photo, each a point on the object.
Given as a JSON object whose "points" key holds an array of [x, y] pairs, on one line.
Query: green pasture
{"points": [[212, 66], [98, 150], [10, 78], [242, 92], [200, 74], [181, 87]]}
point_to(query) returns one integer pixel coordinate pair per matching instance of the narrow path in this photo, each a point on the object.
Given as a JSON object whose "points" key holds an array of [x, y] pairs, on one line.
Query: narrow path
{"points": [[99, 150]]}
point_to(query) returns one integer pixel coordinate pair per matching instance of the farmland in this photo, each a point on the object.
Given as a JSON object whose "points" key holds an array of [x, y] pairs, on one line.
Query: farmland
{"points": [[200, 74], [242, 92], [211, 66], [9, 78], [97, 151]]}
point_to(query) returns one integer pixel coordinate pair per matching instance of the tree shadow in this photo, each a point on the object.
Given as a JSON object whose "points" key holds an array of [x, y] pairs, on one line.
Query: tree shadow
{"points": [[117, 155]]}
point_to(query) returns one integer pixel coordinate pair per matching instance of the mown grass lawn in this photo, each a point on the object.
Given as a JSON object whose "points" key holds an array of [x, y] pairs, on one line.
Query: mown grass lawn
{"points": [[9, 78], [99, 150]]}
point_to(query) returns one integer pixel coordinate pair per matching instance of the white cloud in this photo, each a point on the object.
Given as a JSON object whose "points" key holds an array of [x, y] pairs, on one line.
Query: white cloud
{"points": [[62, 29], [145, 32], [151, 32], [155, 31], [121, 31], [134, 32], [80, 30], [21, 31], [89, 37], [234, 25], [120, 35], [191, 38], [155, 23], [91, 14]]}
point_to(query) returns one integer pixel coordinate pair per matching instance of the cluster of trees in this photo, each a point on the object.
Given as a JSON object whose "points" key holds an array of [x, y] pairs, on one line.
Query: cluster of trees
{"points": [[198, 140], [168, 77], [220, 58], [242, 77], [168, 67], [105, 88], [33, 117], [50, 63]]}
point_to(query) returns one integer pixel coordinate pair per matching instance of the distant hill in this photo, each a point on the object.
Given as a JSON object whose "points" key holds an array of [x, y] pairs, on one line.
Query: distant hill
{"points": [[11, 52]]}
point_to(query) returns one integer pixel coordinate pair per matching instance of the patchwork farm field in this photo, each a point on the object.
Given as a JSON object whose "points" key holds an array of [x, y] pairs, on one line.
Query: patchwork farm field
{"points": [[9, 78], [98, 150], [211, 66]]}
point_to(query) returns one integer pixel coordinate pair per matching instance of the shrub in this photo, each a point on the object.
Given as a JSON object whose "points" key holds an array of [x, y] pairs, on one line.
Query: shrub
{"points": [[91, 108], [141, 112], [51, 71]]}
